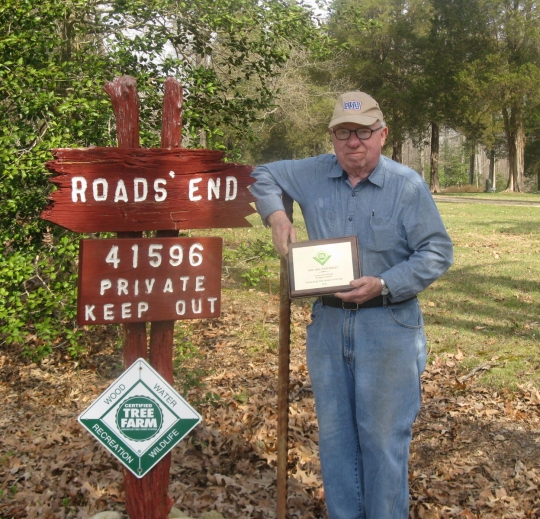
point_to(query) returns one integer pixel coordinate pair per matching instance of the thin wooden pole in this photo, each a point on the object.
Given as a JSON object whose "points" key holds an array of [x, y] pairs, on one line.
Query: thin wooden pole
{"points": [[123, 94], [283, 377], [162, 332]]}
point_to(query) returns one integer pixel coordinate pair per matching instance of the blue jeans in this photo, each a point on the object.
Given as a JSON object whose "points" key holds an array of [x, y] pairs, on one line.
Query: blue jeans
{"points": [[365, 368]]}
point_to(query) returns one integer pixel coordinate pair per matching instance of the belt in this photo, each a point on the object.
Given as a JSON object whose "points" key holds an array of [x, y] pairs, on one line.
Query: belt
{"points": [[336, 302]]}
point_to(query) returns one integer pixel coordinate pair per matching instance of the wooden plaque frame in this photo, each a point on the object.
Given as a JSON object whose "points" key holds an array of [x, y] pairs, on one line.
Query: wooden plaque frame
{"points": [[344, 255]]}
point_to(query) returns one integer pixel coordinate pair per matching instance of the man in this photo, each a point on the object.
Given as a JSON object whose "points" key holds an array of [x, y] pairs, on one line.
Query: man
{"points": [[366, 348]]}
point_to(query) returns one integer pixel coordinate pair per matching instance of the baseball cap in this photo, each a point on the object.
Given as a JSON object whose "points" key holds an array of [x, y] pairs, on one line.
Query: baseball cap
{"points": [[356, 107]]}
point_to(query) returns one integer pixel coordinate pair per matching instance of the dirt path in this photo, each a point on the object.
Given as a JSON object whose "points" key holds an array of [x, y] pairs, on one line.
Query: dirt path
{"points": [[465, 199]]}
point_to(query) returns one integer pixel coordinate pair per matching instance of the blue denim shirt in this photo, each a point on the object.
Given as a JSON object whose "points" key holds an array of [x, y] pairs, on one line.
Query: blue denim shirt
{"points": [[400, 233]]}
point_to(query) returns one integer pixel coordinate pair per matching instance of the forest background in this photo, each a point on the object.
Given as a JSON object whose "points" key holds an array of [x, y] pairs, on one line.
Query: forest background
{"points": [[458, 82]]}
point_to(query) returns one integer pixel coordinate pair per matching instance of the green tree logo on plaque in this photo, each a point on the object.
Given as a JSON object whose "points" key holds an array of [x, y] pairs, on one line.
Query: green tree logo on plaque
{"points": [[322, 257]]}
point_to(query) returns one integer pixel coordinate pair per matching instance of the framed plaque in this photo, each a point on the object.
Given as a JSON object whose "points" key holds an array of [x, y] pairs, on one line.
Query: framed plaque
{"points": [[320, 267]]}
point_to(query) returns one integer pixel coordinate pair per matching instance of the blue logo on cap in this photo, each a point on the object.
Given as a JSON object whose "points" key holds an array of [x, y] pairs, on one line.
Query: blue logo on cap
{"points": [[352, 105]]}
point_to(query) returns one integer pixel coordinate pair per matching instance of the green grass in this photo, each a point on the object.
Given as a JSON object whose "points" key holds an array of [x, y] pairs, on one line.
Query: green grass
{"points": [[486, 307]]}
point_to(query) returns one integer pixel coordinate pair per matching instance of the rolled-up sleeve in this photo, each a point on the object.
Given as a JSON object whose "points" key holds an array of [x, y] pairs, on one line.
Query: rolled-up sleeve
{"points": [[267, 191], [431, 246]]}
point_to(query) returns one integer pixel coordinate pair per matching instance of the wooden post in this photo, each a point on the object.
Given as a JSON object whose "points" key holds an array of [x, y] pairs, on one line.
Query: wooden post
{"points": [[146, 498], [165, 212], [283, 378]]}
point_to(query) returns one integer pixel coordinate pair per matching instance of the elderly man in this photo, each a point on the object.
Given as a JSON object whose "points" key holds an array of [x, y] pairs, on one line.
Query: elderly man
{"points": [[366, 347]]}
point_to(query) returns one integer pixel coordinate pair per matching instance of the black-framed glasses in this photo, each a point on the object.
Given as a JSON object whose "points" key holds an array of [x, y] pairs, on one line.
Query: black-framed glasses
{"points": [[343, 134]]}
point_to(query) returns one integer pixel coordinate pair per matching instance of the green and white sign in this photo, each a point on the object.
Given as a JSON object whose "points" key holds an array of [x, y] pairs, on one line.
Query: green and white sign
{"points": [[139, 418]]}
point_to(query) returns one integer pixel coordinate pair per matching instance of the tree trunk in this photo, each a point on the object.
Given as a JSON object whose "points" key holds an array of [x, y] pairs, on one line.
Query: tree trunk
{"points": [[492, 178], [515, 138], [434, 161], [472, 161], [397, 150]]}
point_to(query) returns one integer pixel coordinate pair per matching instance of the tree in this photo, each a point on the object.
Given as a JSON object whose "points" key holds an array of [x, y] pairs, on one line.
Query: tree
{"points": [[502, 82], [55, 57], [381, 57]]}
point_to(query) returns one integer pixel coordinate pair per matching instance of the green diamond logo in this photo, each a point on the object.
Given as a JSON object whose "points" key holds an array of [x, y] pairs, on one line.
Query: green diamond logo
{"points": [[322, 257]]}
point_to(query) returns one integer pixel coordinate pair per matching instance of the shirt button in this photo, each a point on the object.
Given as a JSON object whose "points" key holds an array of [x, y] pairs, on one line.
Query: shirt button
{"points": [[354, 194], [350, 218]]}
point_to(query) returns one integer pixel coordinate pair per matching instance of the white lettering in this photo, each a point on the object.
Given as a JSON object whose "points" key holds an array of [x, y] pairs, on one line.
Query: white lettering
{"points": [[199, 280], [154, 254], [108, 314], [149, 285], [100, 189], [198, 309], [137, 183], [104, 189], [213, 188], [122, 286], [193, 188], [135, 249], [184, 280], [121, 192], [78, 188], [112, 258], [89, 312], [161, 193], [195, 258], [231, 189], [168, 285], [105, 285], [212, 300], [126, 310], [142, 307], [180, 307]]}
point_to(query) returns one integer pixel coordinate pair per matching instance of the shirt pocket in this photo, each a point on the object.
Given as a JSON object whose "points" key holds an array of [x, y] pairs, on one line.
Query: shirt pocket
{"points": [[382, 233]]}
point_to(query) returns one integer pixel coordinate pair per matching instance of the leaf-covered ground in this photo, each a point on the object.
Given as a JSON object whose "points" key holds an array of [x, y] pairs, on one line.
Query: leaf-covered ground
{"points": [[474, 454]]}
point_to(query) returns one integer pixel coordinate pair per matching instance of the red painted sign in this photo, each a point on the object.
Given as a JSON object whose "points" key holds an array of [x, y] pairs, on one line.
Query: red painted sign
{"points": [[143, 189], [150, 279]]}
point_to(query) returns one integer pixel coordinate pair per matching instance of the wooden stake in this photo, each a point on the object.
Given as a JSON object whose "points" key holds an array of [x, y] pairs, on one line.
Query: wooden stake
{"points": [[162, 332], [283, 377]]}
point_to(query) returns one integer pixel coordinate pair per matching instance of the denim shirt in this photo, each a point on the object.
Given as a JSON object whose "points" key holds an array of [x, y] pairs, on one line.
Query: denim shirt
{"points": [[400, 232]]}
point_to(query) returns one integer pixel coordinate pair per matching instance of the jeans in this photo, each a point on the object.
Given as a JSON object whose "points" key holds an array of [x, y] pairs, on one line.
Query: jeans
{"points": [[365, 368]]}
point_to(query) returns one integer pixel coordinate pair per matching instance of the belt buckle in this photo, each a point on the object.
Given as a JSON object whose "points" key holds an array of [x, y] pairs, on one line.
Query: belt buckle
{"points": [[343, 303]]}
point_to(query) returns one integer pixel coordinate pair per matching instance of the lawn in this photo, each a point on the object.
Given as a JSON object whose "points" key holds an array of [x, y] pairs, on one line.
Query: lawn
{"points": [[485, 309], [487, 305]]}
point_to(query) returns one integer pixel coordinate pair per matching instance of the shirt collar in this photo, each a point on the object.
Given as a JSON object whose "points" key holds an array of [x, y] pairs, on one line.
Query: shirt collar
{"points": [[376, 177]]}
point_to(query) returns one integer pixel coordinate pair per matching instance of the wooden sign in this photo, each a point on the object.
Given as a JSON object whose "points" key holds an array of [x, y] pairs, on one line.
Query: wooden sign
{"points": [[143, 189], [149, 279]]}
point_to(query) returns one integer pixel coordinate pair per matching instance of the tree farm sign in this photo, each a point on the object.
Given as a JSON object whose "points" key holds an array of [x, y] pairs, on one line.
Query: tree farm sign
{"points": [[139, 418]]}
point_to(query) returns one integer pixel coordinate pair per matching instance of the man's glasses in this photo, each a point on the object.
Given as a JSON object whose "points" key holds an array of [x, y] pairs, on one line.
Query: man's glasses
{"points": [[343, 134]]}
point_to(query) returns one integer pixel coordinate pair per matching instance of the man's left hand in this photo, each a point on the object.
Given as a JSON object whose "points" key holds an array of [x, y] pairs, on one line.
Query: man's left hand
{"points": [[365, 288]]}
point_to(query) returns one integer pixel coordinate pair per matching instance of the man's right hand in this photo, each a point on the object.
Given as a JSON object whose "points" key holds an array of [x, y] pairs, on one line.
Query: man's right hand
{"points": [[283, 232]]}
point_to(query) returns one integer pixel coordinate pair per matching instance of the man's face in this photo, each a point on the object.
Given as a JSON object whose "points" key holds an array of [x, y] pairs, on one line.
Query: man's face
{"points": [[359, 157]]}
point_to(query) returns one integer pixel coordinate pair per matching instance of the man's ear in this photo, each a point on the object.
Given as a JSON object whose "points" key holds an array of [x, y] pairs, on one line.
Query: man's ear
{"points": [[384, 134]]}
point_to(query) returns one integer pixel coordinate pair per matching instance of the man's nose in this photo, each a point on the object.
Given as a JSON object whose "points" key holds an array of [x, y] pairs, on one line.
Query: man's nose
{"points": [[353, 141]]}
